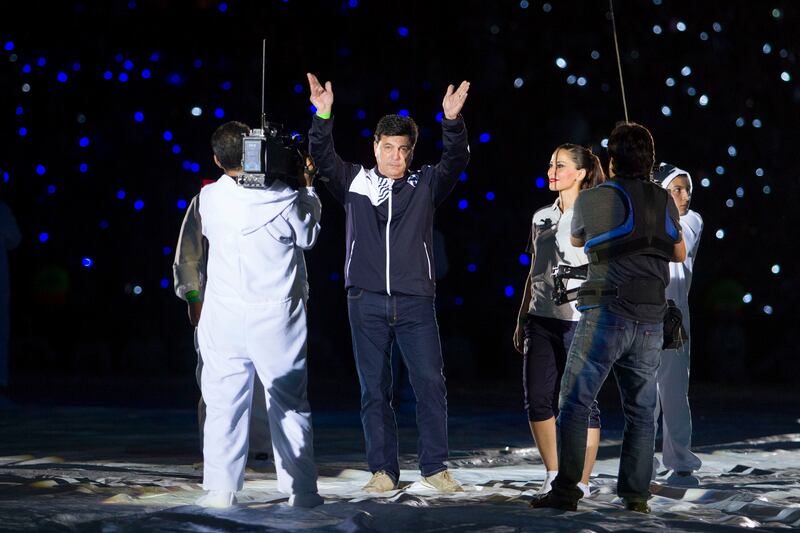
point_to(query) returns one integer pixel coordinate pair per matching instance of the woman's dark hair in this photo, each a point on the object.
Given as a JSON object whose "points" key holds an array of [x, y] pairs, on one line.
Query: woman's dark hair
{"points": [[632, 150], [392, 125], [226, 142], [585, 159]]}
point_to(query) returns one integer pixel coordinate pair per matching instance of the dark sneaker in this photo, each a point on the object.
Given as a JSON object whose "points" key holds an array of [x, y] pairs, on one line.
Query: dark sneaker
{"points": [[637, 506], [549, 502]]}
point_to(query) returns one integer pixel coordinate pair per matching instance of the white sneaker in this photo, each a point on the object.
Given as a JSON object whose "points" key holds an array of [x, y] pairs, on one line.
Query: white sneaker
{"points": [[443, 482], [548, 481], [586, 488], [380, 482], [308, 500], [217, 499]]}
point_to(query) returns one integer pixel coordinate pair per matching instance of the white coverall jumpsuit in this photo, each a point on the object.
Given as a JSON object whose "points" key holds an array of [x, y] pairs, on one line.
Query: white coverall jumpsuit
{"points": [[189, 271], [254, 322], [673, 374]]}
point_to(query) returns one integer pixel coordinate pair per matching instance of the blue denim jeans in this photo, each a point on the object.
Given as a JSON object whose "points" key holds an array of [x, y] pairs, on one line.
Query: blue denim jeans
{"points": [[375, 321], [603, 342]]}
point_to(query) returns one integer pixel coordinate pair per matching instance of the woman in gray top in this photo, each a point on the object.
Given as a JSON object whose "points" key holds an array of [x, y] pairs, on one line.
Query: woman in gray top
{"points": [[544, 329]]}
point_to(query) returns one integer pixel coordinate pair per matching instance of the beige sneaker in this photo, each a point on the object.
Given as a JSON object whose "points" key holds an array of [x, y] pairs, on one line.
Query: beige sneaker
{"points": [[443, 482], [380, 482]]}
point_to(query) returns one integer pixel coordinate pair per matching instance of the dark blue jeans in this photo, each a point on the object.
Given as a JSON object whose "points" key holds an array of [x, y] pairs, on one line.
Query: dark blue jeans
{"points": [[604, 342], [375, 321]]}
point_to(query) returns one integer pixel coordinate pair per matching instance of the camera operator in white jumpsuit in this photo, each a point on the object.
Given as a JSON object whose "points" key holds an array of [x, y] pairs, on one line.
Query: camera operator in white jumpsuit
{"points": [[254, 322], [673, 374]]}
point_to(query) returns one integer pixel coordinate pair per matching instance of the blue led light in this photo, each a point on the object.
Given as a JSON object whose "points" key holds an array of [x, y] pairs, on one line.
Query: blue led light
{"points": [[40, 169], [226, 85], [223, 7], [666, 111], [439, 116], [298, 88], [219, 112], [104, 224], [195, 167], [76, 67], [128, 64], [19, 110], [166, 250], [26, 69], [43, 236], [6, 177], [334, 276], [23, 131], [366, 133], [51, 189], [155, 56], [540, 182], [463, 204], [167, 135], [720, 170], [361, 114], [138, 205], [187, 165], [352, 3], [176, 148], [108, 75], [472, 267], [463, 176], [485, 137], [402, 31], [509, 291], [87, 262], [41, 62], [182, 204], [394, 95], [121, 194], [403, 112], [490, 196], [197, 63], [164, 283], [61, 77], [8, 46], [83, 142], [146, 74], [83, 168], [175, 79], [138, 116], [312, 108], [524, 259], [458, 300], [123, 77]]}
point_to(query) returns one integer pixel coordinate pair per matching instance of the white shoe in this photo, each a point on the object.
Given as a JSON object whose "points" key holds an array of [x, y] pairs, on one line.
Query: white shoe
{"points": [[217, 499], [586, 488], [548, 481], [308, 500]]}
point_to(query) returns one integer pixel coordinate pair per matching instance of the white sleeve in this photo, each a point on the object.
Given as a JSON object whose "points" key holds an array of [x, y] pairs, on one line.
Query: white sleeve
{"points": [[303, 216], [692, 224]]}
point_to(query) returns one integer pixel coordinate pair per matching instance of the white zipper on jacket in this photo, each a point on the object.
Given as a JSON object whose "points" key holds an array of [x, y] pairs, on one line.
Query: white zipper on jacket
{"points": [[350, 259], [388, 226], [428, 257]]}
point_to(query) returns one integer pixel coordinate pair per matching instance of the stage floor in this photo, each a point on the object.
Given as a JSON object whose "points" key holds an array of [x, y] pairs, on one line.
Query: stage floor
{"points": [[126, 469]]}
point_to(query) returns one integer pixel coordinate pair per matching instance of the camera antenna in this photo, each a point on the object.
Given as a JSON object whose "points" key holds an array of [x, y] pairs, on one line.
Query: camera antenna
{"points": [[263, 81]]}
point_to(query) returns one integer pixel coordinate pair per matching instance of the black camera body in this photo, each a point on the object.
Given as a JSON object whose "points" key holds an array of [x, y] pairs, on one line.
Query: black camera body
{"points": [[270, 153]]}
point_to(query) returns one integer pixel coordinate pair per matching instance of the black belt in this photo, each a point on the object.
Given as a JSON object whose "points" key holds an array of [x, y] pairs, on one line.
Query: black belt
{"points": [[636, 291]]}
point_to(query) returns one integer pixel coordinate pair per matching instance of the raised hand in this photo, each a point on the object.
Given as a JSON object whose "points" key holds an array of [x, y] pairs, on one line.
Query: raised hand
{"points": [[454, 100], [321, 97]]}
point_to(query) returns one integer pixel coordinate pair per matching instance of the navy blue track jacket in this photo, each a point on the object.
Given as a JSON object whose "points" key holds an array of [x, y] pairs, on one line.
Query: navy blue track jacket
{"points": [[390, 223]]}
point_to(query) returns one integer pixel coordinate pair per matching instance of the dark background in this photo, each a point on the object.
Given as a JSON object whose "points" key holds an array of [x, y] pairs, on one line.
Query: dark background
{"points": [[83, 334]]}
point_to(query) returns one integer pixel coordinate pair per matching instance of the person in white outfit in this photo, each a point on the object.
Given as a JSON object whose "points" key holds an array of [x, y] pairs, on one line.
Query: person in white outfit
{"points": [[673, 374], [189, 272], [254, 322]]}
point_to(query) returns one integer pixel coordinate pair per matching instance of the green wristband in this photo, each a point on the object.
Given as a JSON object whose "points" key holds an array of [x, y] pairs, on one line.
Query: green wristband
{"points": [[192, 296], [323, 116]]}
